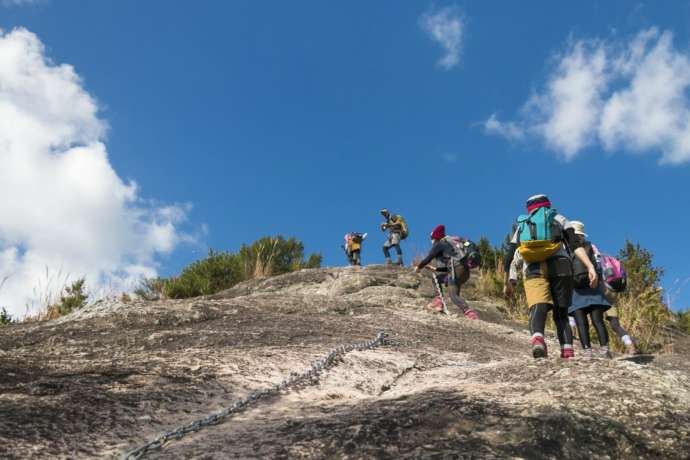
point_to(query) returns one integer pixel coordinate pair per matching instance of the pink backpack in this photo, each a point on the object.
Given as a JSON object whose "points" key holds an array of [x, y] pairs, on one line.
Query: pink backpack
{"points": [[612, 271]]}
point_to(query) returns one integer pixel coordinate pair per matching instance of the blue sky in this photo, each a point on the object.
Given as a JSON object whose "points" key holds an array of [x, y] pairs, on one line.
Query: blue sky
{"points": [[305, 118]]}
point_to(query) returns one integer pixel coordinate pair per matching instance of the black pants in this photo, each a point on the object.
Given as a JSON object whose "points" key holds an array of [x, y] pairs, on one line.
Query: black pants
{"points": [[561, 288], [596, 312], [616, 326]]}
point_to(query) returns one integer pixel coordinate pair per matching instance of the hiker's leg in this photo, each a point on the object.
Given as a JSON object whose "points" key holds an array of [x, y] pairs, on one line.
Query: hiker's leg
{"points": [[562, 293], [460, 276], [386, 249], [562, 325], [612, 317], [537, 318], [583, 328], [539, 298], [455, 282], [598, 321], [622, 333], [537, 323], [540, 301], [440, 281], [395, 242]]}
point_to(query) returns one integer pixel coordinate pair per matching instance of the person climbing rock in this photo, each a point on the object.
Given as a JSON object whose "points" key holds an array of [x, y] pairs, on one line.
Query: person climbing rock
{"points": [[353, 247], [452, 268], [588, 303], [397, 231], [545, 240]]}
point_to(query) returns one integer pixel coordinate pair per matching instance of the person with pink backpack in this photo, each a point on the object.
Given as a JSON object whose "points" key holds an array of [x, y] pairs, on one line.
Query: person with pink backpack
{"points": [[616, 281], [600, 303], [454, 258], [588, 302]]}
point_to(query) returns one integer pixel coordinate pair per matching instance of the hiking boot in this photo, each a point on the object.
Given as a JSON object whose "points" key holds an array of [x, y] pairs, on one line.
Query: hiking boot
{"points": [[538, 347], [631, 349], [436, 304], [567, 353], [471, 314], [587, 353], [604, 352]]}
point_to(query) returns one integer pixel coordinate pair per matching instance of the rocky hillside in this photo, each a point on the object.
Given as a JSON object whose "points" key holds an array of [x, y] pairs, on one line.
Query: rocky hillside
{"points": [[108, 378]]}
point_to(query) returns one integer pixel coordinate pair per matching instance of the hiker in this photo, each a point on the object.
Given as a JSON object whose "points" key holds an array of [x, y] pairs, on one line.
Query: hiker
{"points": [[515, 269], [353, 247], [397, 231], [588, 302], [615, 281], [545, 240], [452, 266]]}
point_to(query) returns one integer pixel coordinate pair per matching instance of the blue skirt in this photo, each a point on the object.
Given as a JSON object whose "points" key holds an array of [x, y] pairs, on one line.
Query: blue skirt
{"points": [[583, 298]]}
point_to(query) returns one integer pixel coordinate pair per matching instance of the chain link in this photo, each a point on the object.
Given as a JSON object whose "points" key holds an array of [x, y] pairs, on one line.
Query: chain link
{"points": [[241, 404]]}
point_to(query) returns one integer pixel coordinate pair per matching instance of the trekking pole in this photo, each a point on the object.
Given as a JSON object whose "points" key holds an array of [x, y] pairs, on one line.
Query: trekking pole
{"points": [[440, 293]]}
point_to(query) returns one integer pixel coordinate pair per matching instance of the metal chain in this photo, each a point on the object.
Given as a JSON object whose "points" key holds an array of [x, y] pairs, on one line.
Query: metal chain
{"points": [[241, 404]]}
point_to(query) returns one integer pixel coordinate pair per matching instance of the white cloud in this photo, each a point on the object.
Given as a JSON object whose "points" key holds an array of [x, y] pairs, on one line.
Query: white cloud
{"points": [[509, 130], [446, 27], [623, 96], [62, 206]]}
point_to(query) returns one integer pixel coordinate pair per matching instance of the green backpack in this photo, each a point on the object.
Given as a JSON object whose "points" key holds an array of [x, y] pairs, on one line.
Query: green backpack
{"points": [[538, 235], [404, 229]]}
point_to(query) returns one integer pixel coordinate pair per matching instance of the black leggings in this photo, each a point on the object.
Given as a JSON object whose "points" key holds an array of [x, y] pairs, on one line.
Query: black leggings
{"points": [[562, 292], [616, 326], [537, 322], [537, 317], [597, 314]]}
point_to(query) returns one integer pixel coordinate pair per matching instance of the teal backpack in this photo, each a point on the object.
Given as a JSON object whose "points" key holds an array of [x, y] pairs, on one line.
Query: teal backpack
{"points": [[536, 238], [536, 226]]}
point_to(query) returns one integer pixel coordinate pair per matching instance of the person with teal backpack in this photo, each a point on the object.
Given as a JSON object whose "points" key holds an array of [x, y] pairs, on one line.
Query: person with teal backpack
{"points": [[546, 241]]}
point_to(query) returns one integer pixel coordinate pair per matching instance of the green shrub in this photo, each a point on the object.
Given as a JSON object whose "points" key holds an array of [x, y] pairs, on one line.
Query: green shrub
{"points": [[641, 308], [491, 256], [151, 289], [218, 271], [273, 256], [5, 317], [314, 261], [267, 256], [73, 298]]}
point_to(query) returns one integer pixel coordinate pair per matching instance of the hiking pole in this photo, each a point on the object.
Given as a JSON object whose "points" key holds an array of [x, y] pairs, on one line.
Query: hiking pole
{"points": [[440, 293]]}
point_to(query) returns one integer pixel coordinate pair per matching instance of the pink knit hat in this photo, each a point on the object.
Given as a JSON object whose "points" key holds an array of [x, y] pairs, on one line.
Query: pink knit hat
{"points": [[439, 232]]}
